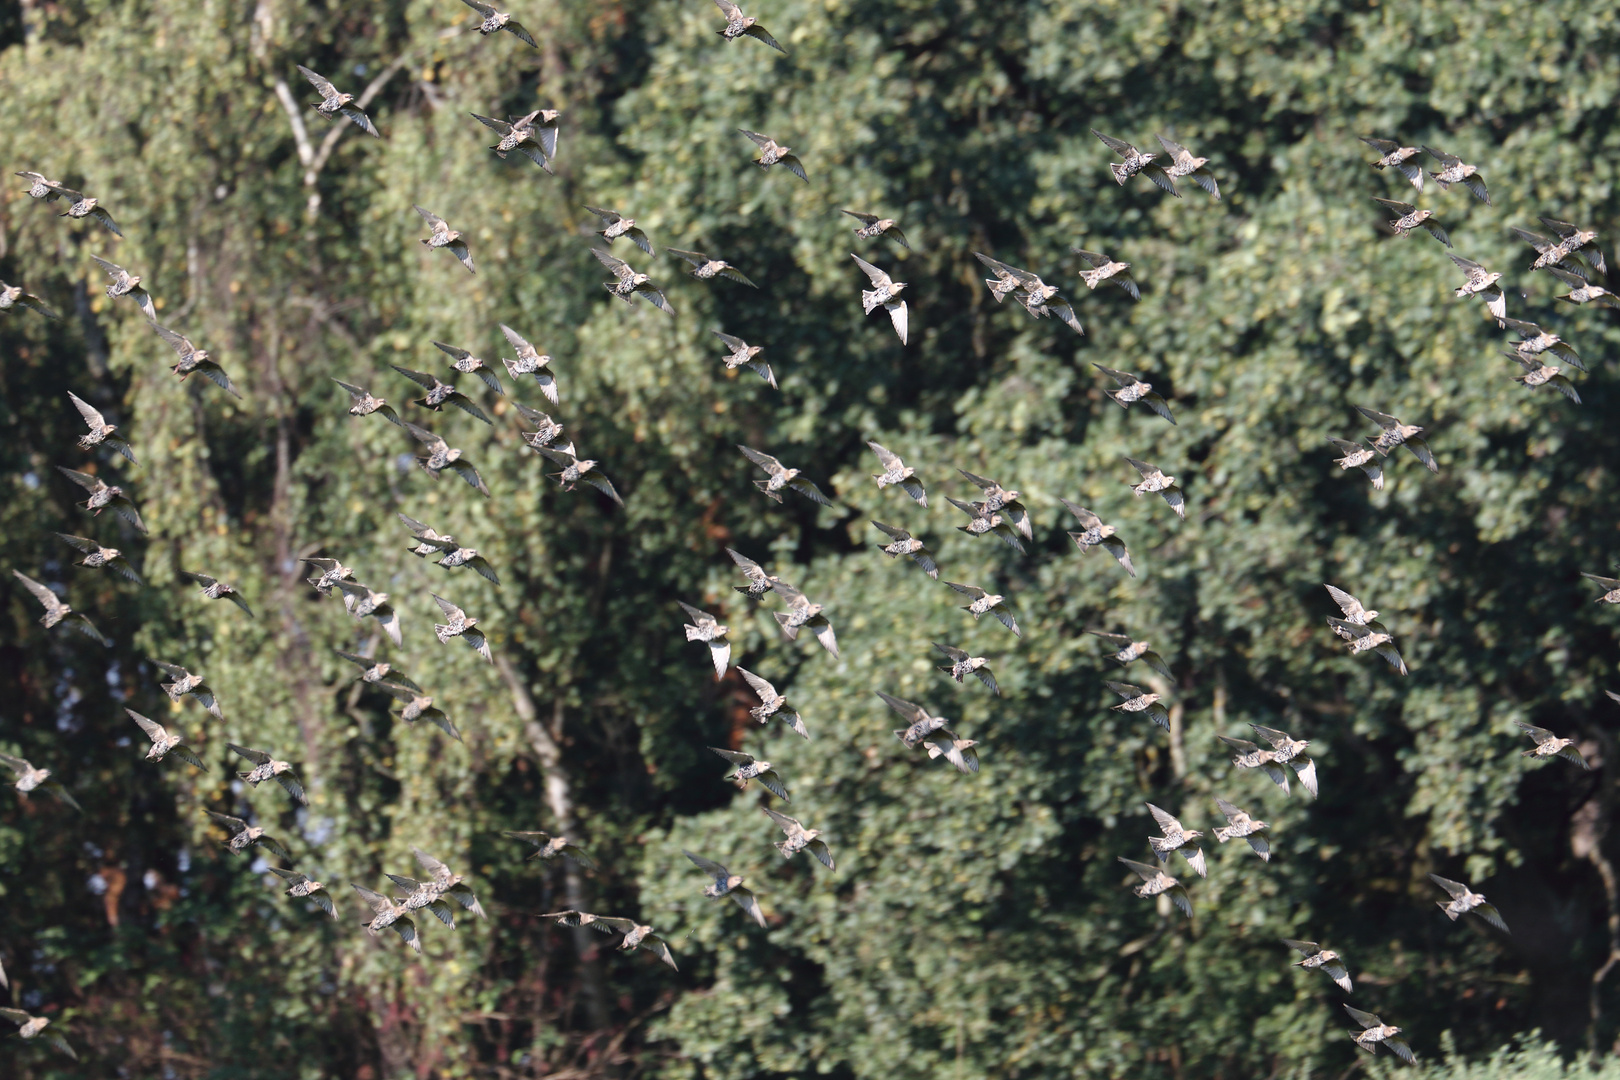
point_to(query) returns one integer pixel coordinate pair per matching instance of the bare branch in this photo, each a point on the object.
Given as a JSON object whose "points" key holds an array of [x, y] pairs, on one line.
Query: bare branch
{"points": [[295, 116]]}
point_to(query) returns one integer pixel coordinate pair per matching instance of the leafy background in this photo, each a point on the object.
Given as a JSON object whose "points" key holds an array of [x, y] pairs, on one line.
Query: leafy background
{"points": [[975, 926]]}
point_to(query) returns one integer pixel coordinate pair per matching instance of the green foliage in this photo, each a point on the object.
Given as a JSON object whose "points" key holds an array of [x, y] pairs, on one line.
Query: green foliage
{"points": [[976, 925]]}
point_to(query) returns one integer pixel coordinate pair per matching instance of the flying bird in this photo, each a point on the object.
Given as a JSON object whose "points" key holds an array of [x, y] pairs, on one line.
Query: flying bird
{"points": [[376, 671], [32, 1027], [1139, 700], [1133, 389], [304, 888], [418, 706], [1582, 291], [1155, 881], [333, 103], [1095, 534], [1239, 825], [440, 394], [1287, 750], [772, 152], [163, 743], [1533, 341], [1154, 479], [100, 431], [1395, 434], [801, 613], [184, 682], [547, 430], [779, 477], [1375, 1031], [533, 135], [458, 624], [495, 21], [706, 267], [530, 361], [194, 360], [441, 456], [1317, 958], [13, 295], [1104, 269], [985, 522], [547, 846], [82, 206], [898, 472], [1249, 756], [1534, 373], [454, 555], [1357, 456], [772, 703], [1464, 901], [636, 935], [328, 573], [738, 24], [96, 556], [266, 767], [390, 915], [1611, 588], [577, 470], [57, 609], [1127, 650], [362, 403], [444, 236], [1483, 284], [873, 226], [712, 632], [364, 602], [885, 292], [1178, 839], [759, 582], [985, 602], [468, 364], [1184, 163], [1549, 745], [30, 779], [997, 498], [1397, 157], [742, 355], [126, 284], [747, 768], [41, 187], [616, 225], [1133, 161], [214, 589], [1454, 171], [963, 664], [244, 836], [903, 543], [799, 839], [629, 284], [104, 496], [728, 884], [1409, 217], [1574, 240]]}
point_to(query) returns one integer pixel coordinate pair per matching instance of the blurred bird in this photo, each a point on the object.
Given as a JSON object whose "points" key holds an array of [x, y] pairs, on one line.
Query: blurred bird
{"points": [[368, 603], [495, 21], [800, 839], [1374, 1030], [898, 472], [266, 767], [737, 24], [1127, 650], [1240, 825], [1176, 839], [728, 884], [1409, 217], [884, 292], [636, 935], [440, 394], [1104, 269], [1155, 881], [772, 152], [444, 236], [747, 768], [96, 556], [376, 671], [1317, 958], [1095, 534], [706, 267], [104, 495], [100, 431], [534, 135], [1533, 341], [455, 555], [126, 284], [1395, 434], [629, 284], [184, 682], [163, 743], [1139, 700], [1549, 745], [441, 456], [468, 364], [444, 883], [712, 632], [428, 540], [333, 103], [214, 589], [919, 722], [779, 477], [1287, 750], [1454, 171], [1397, 157], [1574, 240], [1250, 756], [362, 403], [1133, 389], [1357, 456], [458, 624], [547, 430], [194, 360], [985, 602], [576, 470], [419, 707], [1353, 609], [984, 522], [30, 1027], [57, 609], [772, 703], [742, 355], [801, 613], [1008, 280], [547, 846], [82, 206], [530, 361], [903, 543], [873, 226], [1154, 480], [1133, 162], [1185, 164], [1483, 284], [29, 779], [962, 664], [13, 295], [1535, 373], [1363, 638], [997, 498], [1581, 291], [330, 572], [1037, 297], [1611, 587], [42, 188], [388, 914], [244, 836], [304, 888], [759, 582], [617, 225]]}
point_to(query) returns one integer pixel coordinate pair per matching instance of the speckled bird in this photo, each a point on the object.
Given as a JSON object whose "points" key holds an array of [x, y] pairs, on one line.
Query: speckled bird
{"points": [[1550, 745], [1316, 958], [629, 284], [441, 456], [780, 477], [548, 847], [987, 603], [738, 25], [636, 935], [577, 470], [440, 394], [802, 614], [126, 284], [711, 632], [747, 767], [1127, 650], [495, 21], [885, 293], [194, 361], [82, 206], [101, 432], [446, 237], [534, 135], [530, 361], [707, 267], [1184, 163], [468, 364], [214, 589], [1483, 284], [366, 602], [1134, 161], [458, 624], [1357, 456], [547, 430], [1239, 825], [897, 472], [903, 543], [30, 779], [1176, 839], [363, 403], [1155, 480], [1395, 434], [1533, 341], [985, 522], [387, 914], [304, 888], [183, 682], [1582, 291], [1409, 217], [164, 743], [742, 355], [1104, 268], [1375, 1031], [244, 836], [33, 1027], [333, 104], [872, 227], [1534, 373], [1132, 389], [1611, 588], [1287, 750], [104, 496], [266, 767], [799, 838], [726, 883], [962, 664], [1155, 881], [1455, 171], [1395, 156], [1138, 700], [57, 609], [772, 703], [772, 152], [97, 557], [616, 225], [1248, 755], [374, 671], [1096, 534]]}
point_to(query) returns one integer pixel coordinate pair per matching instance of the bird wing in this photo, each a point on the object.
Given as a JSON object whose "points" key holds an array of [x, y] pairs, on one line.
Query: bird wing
{"points": [[619, 267], [499, 126], [708, 866], [1119, 146], [290, 784], [154, 730], [1144, 871], [771, 781], [41, 593], [466, 405], [760, 141], [427, 862], [433, 220], [1309, 948], [900, 318], [322, 86], [878, 277], [864, 219], [459, 249], [1166, 820], [793, 165], [823, 854], [1489, 913], [967, 590], [736, 757], [1396, 205], [720, 653], [1305, 769], [659, 948], [258, 757], [1365, 1019], [1420, 450], [187, 755], [758, 31], [1116, 547], [809, 490], [760, 686], [1347, 603], [734, 274], [1383, 420], [746, 900], [764, 461], [86, 410], [235, 824], [1153, 660], [1455, 888]]}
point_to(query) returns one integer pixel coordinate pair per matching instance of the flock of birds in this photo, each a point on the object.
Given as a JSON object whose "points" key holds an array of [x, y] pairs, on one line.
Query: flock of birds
{"points": [[1569, 255]]}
